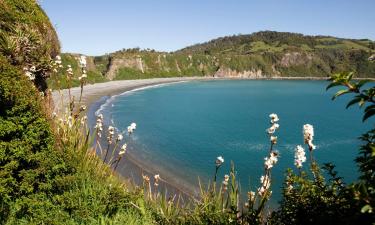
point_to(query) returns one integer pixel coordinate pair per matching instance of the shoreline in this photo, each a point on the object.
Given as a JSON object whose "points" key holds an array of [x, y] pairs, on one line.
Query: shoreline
{"points": [[95, 95], [130, 168], [93, 92]]}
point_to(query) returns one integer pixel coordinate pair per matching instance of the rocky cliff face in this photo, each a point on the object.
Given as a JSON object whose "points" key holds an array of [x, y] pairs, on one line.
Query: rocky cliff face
{"points": [[227, 72], [117, 63], [295, 59]]}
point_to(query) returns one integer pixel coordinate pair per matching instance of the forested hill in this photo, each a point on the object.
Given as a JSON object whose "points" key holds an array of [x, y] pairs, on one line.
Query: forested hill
{"points": [[263, 54], [274, 42]]}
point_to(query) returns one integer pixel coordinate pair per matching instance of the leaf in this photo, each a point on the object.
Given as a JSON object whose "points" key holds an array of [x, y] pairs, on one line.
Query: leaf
{"points": [[339, 93], [361, 83], [362, 102], [368, 114], [354, 101], [350, 76], [333, 84], [368, 108], [366, 208]]}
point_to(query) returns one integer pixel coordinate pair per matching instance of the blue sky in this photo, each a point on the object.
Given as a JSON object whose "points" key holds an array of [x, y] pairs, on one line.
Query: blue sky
{"points": [[95, 27]]}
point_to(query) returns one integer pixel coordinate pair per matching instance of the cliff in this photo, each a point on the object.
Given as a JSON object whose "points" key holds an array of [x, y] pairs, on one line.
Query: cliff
{"points": [[258, 55]]}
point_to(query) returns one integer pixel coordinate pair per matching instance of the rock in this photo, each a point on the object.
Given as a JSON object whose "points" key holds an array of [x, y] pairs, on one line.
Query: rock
{"points": [[252, 74]]}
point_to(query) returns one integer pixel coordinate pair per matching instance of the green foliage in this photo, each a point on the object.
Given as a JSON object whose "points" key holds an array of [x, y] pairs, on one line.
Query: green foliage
{"points": [[27, 37], [25, 141], [363, 96], [313, 200]]}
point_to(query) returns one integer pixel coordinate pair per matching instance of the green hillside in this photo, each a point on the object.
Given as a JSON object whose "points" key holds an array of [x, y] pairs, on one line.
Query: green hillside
{"points": [[259, 55]]}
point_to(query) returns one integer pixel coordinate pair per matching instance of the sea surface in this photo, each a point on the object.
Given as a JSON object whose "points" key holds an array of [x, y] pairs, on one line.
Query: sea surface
{"points": [[183, 127]]}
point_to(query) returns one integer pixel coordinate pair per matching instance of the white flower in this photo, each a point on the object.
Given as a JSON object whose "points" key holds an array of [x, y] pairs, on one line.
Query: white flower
{"points": [[270, 161], [273, 128], [58, 60], [54, 114], [33, 69], [226, 177], [274, 118], [30, 75], [123, 150], [157, 177], [219, 161], [130, 129], [251, 195], [119, 137], [69, 70], [266, 183], [308, 135], [82, 61], [265, 180], [299, 156], [83, 108], [100, 116], [273, 139]]}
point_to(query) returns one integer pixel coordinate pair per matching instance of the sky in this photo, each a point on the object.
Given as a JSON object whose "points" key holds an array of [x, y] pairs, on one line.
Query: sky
{"points": [[96, 27]]}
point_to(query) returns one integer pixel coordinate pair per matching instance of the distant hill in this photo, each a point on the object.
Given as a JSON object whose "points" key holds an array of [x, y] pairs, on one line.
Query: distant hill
{"points": [[259, 55]]}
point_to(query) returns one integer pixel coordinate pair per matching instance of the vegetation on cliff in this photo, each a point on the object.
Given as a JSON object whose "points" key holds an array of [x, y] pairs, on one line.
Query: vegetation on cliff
{"points": [[258, 55]]}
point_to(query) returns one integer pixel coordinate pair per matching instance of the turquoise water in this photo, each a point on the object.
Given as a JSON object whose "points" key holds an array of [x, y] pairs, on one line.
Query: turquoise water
{"points": [[182, 128]]}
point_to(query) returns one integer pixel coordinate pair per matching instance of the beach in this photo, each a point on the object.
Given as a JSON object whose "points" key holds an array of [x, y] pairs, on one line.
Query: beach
{"points": [[94, 92], [94, 95]]}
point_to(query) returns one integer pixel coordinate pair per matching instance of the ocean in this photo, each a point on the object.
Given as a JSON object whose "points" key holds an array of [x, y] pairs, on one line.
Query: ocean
{"points": [[183, 127]]}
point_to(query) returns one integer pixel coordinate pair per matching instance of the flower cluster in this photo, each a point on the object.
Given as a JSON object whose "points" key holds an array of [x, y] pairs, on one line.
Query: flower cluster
{"points": [[99, 125], [82, 61], [270, 161], [266, 183], [132, 127], [274, 126], [82, 64], [156, 180], [119, 137], [308, 136], [30, 72], [69, 71], [57, 64], [111, 133], [145, 178], [299, 156], [219, 161], [225, 182], [251, 196], [123, 150]]}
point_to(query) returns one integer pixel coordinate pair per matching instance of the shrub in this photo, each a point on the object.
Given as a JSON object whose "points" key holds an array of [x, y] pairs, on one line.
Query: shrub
{"points": [[25, 142]]}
